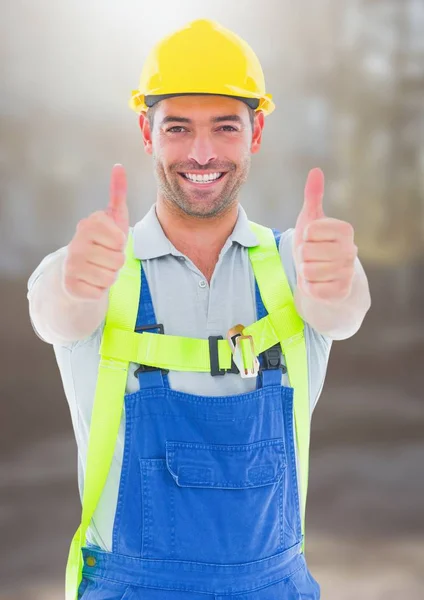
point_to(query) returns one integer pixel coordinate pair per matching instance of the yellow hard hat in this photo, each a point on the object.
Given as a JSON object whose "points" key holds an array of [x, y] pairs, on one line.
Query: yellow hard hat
{"points": [[202, 58]]}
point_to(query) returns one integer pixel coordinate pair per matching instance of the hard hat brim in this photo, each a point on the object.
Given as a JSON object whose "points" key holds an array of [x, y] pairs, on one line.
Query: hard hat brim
{"points": [[141, 103]]}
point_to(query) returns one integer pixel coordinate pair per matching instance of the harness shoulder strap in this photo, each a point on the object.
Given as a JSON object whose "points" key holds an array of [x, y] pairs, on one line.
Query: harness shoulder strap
{"points": [[276, 293], [106, 415]]}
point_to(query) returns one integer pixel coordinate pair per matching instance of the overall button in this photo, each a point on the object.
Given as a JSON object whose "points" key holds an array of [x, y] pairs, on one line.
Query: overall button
{"points": [[90, 561], [202, 283]]}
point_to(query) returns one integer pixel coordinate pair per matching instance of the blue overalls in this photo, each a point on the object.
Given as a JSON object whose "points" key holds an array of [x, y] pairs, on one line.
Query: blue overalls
{"points": [[208, 505]]}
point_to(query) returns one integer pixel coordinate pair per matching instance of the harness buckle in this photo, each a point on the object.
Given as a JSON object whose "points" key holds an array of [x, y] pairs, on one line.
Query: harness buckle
{"points": [[214, 357], [272, 358], [235, 338]]}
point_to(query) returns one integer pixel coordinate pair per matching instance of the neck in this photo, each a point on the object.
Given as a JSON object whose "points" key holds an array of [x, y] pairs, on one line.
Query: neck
{"points": [[200, 239]]}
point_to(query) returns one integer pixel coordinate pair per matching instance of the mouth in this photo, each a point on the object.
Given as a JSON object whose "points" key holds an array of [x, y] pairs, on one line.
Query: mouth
{"points": [[204, 180]]}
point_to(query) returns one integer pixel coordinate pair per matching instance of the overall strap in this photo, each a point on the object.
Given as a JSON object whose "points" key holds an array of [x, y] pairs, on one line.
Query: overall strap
{"points": [[148, 377]]}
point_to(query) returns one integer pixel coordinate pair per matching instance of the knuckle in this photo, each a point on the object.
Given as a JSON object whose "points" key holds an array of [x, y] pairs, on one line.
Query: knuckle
{"points": [[74, 246], [305, 251], [83, 235], [74, 288], [121, 260], [77, 260], [110, 279], [307, 271], [88, 292], [97, 221], [120, 238], [69, 282], [78, 290], [347, 273], [95, 293], [91, 274], [69, 269], [98, 216], [348, 229], [98, 276], [70, 263], [328, 292], [311, 229], [82, 224], [346, 285], [341, 290]]}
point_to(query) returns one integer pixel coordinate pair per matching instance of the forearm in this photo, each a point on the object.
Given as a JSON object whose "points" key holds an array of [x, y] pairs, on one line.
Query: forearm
{"points": [[338, 320], [58, 317]]}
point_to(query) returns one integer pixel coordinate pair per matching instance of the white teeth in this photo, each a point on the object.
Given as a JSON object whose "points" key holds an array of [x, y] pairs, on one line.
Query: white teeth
{"points": [[202, 178]]}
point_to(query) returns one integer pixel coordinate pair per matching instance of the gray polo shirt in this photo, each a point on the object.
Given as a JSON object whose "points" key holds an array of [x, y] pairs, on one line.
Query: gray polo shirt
{"points": [[187, 306]]}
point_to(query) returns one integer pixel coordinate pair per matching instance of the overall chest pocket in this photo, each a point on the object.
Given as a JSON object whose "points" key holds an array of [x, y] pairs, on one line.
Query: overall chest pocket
{"points": [[214, 502]]}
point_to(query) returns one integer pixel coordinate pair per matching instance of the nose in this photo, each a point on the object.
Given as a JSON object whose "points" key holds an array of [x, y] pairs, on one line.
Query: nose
{"points": [[202, 150]]}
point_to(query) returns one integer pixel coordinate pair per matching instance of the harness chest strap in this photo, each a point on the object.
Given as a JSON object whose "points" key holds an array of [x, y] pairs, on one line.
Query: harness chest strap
{"points": [[179, 353], [120, 346]]}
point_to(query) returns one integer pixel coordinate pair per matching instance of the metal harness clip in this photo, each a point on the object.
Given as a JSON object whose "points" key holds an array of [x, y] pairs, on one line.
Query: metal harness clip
{"points": [[235, 337]]}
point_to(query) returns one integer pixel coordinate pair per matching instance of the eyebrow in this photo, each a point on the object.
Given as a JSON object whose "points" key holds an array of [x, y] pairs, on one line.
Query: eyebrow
{"points": [[220, 119]]}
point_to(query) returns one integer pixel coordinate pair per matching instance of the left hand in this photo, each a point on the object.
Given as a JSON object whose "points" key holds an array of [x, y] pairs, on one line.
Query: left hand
{"points": [[323, 249]]}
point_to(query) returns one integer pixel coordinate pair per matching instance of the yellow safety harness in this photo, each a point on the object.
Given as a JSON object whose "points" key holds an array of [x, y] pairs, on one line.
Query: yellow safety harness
{"points": [[120, 345]]}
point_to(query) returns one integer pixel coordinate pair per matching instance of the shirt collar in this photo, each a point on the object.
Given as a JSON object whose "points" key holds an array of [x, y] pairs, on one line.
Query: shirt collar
{"points": [[150, 240]]}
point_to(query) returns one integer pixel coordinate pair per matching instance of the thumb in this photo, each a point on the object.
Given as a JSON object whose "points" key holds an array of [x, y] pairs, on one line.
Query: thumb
{"points": [[312, 206], [117, 208]]}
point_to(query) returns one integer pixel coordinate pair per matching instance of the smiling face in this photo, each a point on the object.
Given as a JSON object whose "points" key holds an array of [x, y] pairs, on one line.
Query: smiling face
{"points": [[201, 146]]}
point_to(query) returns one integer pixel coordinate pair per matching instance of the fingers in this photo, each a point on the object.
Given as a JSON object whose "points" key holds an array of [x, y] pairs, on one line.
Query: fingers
{"points": [[330, 291], [328, 230], [326, 251], [96, 253], [105, 258], [100, 229], [92, 275], [95, 256], [317, 272], [82, 290]]}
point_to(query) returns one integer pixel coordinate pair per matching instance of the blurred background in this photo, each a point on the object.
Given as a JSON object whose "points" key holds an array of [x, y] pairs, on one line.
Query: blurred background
{"points": [[347, 77]]}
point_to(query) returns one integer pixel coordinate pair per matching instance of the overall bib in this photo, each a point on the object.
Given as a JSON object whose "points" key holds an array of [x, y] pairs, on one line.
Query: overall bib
{"points": [[208, 505]]}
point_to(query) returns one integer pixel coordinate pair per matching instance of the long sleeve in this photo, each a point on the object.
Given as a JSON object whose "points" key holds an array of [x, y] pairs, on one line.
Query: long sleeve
{"points": [[337, 320], [57, 317]]}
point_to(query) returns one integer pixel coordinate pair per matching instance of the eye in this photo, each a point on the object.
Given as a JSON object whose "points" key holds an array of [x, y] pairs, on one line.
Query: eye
{"points": [[228, 128], [174, 128]]}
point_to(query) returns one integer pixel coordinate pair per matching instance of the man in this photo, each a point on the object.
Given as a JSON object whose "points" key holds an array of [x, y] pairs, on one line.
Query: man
{"points": [[195, 483]]}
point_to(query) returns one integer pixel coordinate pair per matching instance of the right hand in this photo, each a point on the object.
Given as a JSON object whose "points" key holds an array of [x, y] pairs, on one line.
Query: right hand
{"points": [[96, 253]]}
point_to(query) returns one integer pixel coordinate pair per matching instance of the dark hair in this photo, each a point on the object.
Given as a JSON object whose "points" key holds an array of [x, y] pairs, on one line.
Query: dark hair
{"points": [[151, 114]]}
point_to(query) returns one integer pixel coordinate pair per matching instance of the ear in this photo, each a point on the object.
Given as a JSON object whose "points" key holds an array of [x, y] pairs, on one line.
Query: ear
{"points": [[146, 132], [258, 125]]}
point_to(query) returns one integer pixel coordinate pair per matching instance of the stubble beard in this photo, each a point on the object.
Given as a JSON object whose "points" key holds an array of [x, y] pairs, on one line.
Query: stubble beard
{"points": [[201, 204]]}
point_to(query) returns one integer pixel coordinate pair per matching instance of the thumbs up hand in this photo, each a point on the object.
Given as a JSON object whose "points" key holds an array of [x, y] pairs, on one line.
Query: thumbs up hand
{"points": [[323, 248], [96, 253]]}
